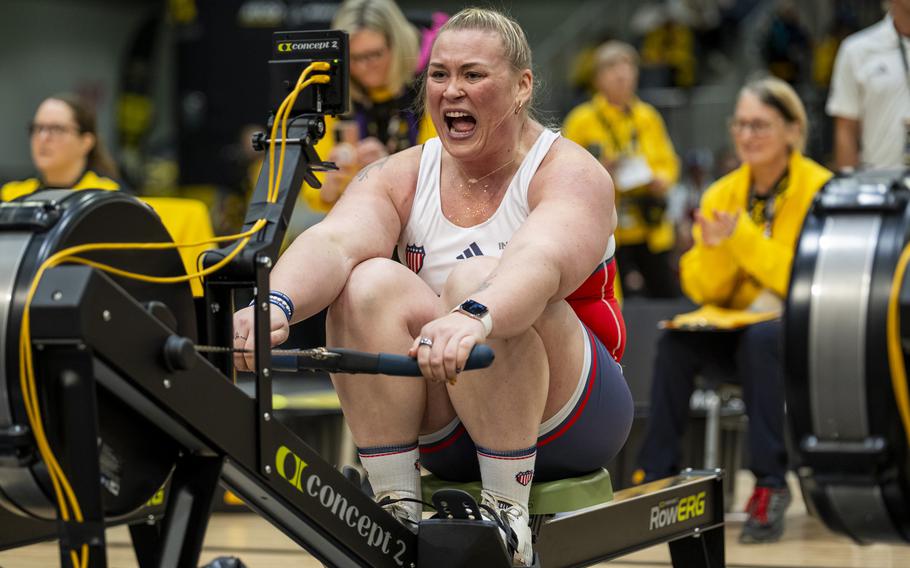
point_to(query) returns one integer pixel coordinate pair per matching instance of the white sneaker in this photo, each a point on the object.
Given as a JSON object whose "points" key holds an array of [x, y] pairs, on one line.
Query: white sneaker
{"points": [[512, 515], [393, 503]]}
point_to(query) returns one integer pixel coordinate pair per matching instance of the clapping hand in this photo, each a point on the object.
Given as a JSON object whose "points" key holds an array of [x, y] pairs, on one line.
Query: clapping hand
{"points": [[714, 232]]}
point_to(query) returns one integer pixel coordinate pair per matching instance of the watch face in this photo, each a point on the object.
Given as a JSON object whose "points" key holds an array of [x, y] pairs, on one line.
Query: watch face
{"points": [[474, 308]]}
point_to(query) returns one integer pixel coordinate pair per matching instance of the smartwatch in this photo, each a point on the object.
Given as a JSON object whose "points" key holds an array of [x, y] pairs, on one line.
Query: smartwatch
{"points": [[478, 311]]}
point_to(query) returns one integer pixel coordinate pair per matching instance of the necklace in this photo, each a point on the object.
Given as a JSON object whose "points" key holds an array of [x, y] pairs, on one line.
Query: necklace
{"points": [[473, 181], [477, 204]]}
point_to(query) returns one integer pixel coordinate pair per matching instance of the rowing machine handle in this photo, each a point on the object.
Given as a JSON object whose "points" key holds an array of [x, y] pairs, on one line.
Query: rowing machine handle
{"points": [[375, 363], [481, 357]]}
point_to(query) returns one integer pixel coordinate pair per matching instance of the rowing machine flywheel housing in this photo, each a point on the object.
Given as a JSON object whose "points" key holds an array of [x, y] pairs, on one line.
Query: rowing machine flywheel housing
{"points": [[842, 394], [135, 456]]}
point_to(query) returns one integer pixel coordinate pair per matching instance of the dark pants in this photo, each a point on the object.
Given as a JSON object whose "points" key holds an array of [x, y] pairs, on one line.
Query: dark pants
{"points": [[660, 281], [751, 357]]}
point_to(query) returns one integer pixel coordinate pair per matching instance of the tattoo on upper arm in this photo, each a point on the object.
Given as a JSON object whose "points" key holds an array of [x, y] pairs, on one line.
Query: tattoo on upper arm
{"points": [[365, 172]]}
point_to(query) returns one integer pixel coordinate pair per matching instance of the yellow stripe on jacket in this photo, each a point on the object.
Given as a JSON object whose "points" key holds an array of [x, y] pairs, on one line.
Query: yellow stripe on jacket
{"points": [[187, 220], [89, 180]]}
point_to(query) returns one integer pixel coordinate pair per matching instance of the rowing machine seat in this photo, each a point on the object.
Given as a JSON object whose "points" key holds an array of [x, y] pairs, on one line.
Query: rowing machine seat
{"points": [[548, 497]]}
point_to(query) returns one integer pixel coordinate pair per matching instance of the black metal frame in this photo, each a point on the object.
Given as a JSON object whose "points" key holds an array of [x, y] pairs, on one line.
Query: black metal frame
{"points": [[126, 349]]}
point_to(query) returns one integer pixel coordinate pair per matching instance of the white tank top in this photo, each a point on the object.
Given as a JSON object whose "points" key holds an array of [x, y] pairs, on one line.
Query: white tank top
{"points": [[431, 245]]}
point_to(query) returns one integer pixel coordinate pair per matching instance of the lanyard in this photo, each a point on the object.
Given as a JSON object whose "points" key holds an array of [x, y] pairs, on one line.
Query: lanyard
{"points": [[633, 137], [761, 208]]}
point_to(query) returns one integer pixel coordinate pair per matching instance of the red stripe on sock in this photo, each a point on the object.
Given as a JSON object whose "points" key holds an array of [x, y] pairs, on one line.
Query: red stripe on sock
{"points": [[495, 457], [368, 456]]}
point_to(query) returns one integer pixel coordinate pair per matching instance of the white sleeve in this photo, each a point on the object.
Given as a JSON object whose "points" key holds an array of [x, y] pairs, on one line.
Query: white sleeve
{"points": [[844, 95]]}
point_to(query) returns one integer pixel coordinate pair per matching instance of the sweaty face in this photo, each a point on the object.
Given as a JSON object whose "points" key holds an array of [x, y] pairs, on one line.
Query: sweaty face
{"points": [[760, 133], [472, 91], [56, 142], [370, 58]]}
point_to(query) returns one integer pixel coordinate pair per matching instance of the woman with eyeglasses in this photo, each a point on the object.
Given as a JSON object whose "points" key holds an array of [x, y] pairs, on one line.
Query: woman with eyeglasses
{"points": [[745, 237], [68, 154], [384, 53], [66, 150]]}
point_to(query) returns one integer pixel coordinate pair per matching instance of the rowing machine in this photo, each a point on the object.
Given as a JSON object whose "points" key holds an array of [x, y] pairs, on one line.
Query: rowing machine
{"points": [[115, 363]]}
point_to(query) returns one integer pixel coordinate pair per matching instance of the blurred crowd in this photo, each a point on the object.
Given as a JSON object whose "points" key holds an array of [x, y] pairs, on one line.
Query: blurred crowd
{"points": [[670, 45], [681, 44]]}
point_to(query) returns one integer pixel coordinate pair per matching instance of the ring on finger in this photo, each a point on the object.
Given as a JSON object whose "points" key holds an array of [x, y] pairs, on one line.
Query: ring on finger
{"points": [[425, 341], [238, 336]]}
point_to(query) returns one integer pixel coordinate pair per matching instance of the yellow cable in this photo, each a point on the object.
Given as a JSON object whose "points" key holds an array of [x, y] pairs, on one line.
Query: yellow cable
{"points": [[895, 352], [161, 279], [62, 489], [27, 380], [281, 116], [284, 124], [30, 397]]}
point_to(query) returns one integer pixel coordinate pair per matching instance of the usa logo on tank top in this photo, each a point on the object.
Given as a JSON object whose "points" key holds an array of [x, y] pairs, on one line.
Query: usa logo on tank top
{"points": [[414, 256]]}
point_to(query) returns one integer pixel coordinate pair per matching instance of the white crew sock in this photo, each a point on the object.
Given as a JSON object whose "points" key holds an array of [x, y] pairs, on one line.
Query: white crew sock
{"points": [[395, 468], [508, 474]]}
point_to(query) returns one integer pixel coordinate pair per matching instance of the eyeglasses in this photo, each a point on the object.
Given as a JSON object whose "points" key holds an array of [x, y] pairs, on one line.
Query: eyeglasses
{"points": [[757, 127], [368, 57], [52, 130]]}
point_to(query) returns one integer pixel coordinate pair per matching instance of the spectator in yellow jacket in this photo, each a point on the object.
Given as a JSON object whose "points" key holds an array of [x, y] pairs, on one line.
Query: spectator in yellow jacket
{"points": [[66, 150], [629, 138], [745, 238], [68, 153], [384, 55]]}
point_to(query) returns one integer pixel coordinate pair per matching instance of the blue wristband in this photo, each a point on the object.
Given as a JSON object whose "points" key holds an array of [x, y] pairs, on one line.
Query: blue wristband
{"points": [[281, 300]]}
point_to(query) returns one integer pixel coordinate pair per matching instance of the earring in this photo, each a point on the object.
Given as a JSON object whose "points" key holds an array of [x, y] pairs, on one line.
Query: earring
{"points": [[518, 108]]}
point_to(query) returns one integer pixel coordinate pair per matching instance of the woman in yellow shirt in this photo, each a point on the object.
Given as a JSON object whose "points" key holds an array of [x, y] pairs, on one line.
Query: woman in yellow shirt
{"points": [[65, 149], [68, 154], [384, 54], [745, 238], [629, 138]]}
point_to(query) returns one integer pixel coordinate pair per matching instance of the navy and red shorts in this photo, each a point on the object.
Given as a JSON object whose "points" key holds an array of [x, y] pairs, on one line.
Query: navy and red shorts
{"points": [[581, 438]]}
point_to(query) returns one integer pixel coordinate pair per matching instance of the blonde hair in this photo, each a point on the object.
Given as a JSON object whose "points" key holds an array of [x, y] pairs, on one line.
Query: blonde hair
{"points": [[612, 52], [514, 42], [780, 96], [384, 17]]}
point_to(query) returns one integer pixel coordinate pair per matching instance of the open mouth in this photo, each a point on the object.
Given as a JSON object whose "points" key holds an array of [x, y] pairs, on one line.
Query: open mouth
{"points": [[460, 124]]}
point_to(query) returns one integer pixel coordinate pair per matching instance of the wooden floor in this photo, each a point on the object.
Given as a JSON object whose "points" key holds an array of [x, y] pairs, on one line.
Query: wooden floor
{"points": [[806, 543]]}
